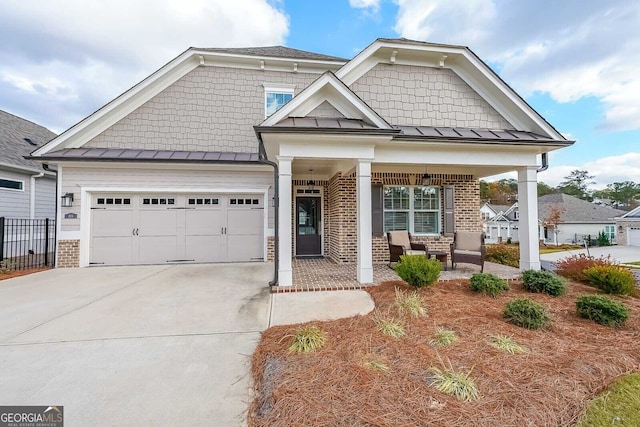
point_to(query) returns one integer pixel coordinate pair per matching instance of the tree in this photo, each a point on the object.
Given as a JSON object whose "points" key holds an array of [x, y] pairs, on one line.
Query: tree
{"points": [[553, 219], [623, 192], [577, 184], [544, 189]]}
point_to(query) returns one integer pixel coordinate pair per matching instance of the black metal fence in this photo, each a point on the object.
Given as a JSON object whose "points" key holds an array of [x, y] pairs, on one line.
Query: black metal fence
{"points": [[27, 243]]}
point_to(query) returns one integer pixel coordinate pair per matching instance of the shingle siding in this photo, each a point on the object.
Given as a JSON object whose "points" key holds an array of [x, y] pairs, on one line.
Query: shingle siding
{"points": [[209, 109], [424, 96]]}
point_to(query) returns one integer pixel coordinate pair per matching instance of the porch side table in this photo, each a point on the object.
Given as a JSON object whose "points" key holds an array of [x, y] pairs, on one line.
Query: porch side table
{"points": [[440, 256]]}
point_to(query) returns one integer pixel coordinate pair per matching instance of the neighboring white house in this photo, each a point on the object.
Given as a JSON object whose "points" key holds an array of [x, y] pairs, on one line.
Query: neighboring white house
{"points": [[577, 220], [628, 228], [27, 190], [256, 154], [500, 222]]}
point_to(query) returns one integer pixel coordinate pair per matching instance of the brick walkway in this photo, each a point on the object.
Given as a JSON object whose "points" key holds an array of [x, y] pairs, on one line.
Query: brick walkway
{"points": [[324, 274]]}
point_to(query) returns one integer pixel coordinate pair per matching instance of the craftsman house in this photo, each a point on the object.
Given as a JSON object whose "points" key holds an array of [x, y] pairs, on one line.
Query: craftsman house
{"points": [[255, 154]]}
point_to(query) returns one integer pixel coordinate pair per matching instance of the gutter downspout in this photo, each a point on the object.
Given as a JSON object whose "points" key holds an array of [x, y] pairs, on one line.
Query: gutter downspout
{"points": [[545, 163], [32, 206], [262, 158], [46, 167]]}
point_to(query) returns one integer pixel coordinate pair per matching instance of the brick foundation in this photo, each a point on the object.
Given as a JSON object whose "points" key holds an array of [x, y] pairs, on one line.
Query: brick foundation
{"points": [[68, 254]]}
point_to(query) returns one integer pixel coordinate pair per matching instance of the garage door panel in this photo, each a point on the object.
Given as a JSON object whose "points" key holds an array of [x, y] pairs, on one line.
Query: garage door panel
{"points": [[204, 222], [634, 237], [244, 248], [157, 249], [112, 250], [158, 222], [112, 222], [245, 221], [205, 248]]}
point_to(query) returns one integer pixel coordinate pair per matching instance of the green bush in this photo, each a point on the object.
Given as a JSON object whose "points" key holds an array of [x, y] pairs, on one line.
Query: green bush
{"points": [[603, 239], [543, 282], [488, 284], [572, 267], [602, 310], [417, 270], [526, 313], [612, 279], [504, 254]]}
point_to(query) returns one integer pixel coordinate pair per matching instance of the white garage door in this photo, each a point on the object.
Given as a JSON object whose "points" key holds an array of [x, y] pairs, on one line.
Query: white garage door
{"points": [[634, 236], [156, 229]]}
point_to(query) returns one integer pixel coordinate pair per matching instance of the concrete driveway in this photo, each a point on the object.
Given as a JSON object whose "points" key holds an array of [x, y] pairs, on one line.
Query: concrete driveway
{"points": [[149, 345]]}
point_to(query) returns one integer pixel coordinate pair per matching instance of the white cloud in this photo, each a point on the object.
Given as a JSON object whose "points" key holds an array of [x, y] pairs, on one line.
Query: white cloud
{"points": [[372, 5], [74, 55], [571, 49], [605, 170]]}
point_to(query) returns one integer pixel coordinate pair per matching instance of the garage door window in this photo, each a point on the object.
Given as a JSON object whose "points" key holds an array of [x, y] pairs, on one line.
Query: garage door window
{"points": [[244, 201], [158, 201], [113, 201], [203, 201]]}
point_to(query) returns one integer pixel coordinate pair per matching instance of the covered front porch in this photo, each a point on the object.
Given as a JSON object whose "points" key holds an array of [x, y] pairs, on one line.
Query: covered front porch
{"points": [[322, 274]]}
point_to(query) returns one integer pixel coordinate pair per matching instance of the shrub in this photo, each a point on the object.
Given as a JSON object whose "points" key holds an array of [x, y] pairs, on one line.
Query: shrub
{"points": [[611, 279], [417, 270], [573, 266], [543, 282], [409, 303], [307, 339], [488, 284], [443, 337], [602, 310], [504, 254], [526, 313], [458, 384], [603, 239]]}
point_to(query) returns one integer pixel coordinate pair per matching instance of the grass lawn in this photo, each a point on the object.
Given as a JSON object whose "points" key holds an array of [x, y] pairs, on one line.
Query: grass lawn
{"points": [[362, 377], [619, 405], [634, 263]]}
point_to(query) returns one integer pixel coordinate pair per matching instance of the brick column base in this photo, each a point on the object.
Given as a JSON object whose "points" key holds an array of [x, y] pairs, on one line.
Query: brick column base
{"points": [[68, 253]]}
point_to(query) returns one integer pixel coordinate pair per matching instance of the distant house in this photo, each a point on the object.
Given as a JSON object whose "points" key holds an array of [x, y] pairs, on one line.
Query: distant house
{"points": [[27, 189], [562, 218], [628, 228], [500, 222]]}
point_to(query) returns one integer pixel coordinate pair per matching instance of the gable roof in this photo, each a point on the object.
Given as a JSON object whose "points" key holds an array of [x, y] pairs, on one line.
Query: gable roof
{"points": [[575, 210], [275, 52], [14, 132], [632, 214]]}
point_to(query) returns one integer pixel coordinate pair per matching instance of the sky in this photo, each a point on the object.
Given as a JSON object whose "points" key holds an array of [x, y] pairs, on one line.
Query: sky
{"points": [[577, 62]]}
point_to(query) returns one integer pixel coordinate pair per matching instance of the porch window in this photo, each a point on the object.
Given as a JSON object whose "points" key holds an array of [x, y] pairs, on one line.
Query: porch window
{"points": [[416, 209]]}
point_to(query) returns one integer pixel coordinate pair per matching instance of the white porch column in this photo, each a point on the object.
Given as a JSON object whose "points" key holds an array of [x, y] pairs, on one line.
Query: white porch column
{"points": [[528, 206], [285, 272], [363, 202]]}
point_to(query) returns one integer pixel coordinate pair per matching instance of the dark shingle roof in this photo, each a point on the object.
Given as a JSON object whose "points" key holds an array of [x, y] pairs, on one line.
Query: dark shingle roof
{"points": [[276, 52], [14, 132], [575, 209], [121, 154]]}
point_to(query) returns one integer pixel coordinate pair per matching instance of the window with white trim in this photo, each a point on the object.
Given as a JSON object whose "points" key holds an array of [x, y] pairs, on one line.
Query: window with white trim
{"points": [[416, 209], [275, 97], [11, 184], [610, 232]]}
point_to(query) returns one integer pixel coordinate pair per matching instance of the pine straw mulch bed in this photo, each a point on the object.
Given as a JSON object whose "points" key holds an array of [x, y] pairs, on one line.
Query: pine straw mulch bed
{"points": [[549, 385], [18, 273]]}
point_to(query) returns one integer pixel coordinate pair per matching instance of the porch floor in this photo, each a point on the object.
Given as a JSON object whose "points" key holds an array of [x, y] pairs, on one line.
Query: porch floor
{"points": [[323, 274]]}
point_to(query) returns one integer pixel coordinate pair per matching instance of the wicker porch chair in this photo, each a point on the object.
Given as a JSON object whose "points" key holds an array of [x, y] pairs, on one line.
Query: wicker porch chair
{"points": [[468, 247], [400, 244]]}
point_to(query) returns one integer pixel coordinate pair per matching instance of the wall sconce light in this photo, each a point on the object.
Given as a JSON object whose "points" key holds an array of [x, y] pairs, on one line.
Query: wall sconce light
{"points": [[67, 200], [620, 228], [426, 177]]}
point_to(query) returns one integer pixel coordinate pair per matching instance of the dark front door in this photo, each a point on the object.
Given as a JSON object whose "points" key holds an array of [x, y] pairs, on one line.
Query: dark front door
{"points": [[308, 237]]}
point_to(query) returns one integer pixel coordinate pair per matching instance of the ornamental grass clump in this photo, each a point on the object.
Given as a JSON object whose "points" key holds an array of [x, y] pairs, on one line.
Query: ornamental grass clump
{"points": [[488, 284], [458, 384], [376, 364], [417, 270], [409, 303], [307, 339], [505, 343], [602, 309], [612, 279], [543, 282], [443, 337], [527, 314], [389, 326]]}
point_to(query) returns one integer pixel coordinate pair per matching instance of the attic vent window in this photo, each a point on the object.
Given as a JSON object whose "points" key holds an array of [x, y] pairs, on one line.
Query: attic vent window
{"points": [[30, 142]]}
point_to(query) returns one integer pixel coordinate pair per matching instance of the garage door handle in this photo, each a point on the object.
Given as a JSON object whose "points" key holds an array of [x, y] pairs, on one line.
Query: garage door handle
{"points": [[134, 232], [137, 231]]}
